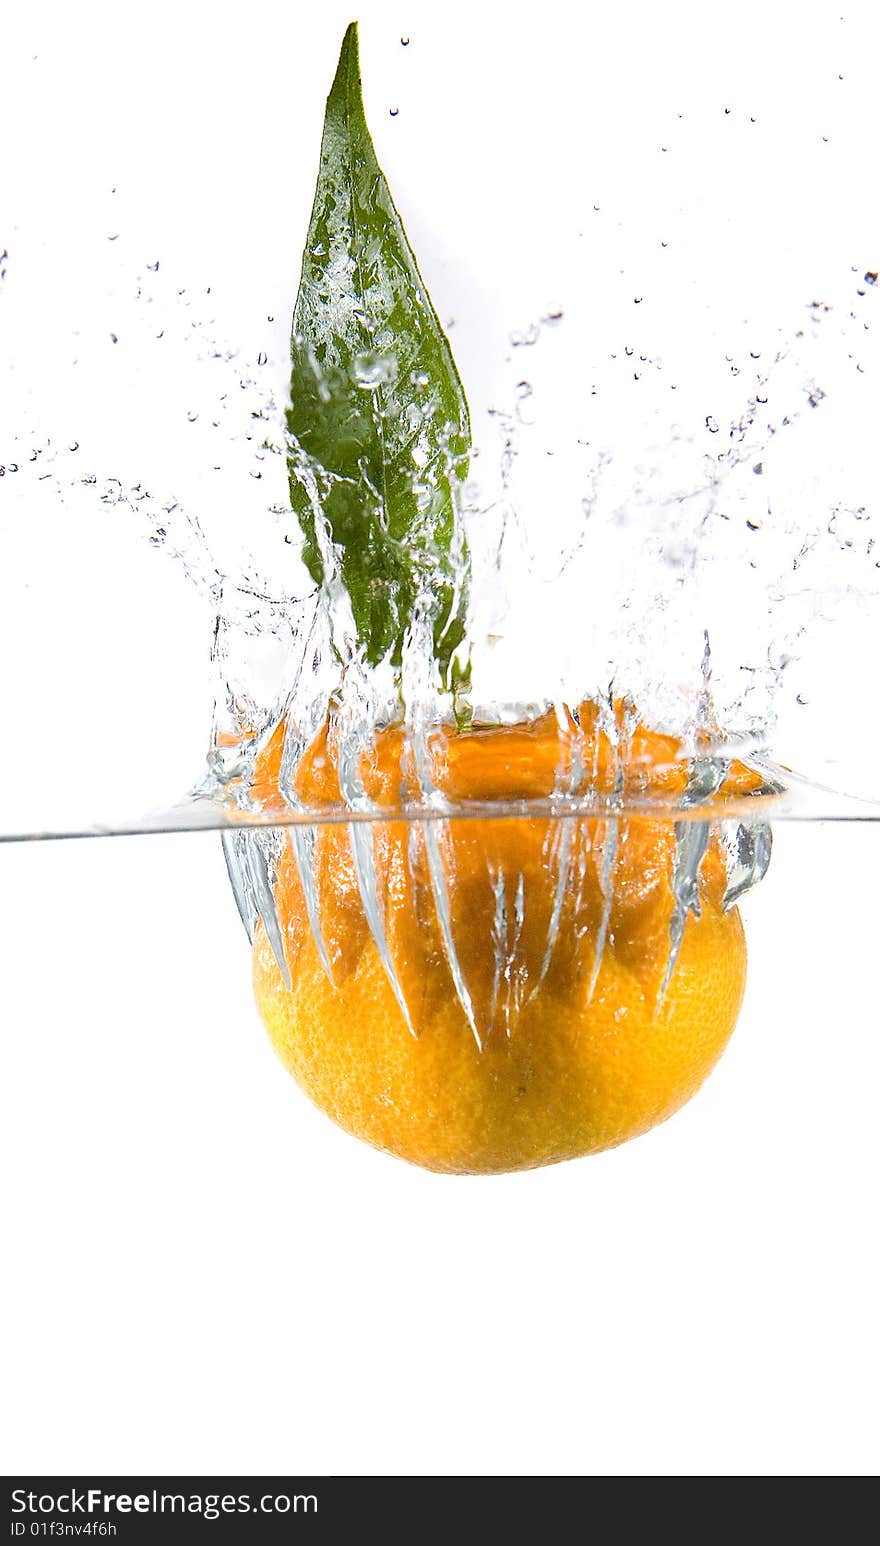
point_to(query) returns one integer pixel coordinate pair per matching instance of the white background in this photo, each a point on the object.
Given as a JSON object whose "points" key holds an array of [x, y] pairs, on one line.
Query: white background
{"points": [[204, 1275]]}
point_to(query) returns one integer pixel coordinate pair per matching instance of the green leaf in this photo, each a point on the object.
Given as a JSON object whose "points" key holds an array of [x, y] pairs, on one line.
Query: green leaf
{"points": [[378, 422]]}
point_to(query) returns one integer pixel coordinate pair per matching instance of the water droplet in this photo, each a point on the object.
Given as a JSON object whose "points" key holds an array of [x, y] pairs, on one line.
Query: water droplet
{"points": [[393, 112], [871, 277], [526, 338], [373, 370], [711, 424], [153, 267], [262, 357], [114, 339]]}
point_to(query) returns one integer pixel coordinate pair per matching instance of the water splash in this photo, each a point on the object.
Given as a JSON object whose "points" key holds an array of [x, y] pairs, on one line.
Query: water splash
{"points": [[251, 859], [690, 532], [361, 836], [748, 848], [511, 976], [691, 847], [663, 527]]}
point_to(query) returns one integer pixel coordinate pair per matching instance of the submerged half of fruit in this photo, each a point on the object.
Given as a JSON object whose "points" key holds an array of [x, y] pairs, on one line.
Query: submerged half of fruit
{"points": [[483, 992]]}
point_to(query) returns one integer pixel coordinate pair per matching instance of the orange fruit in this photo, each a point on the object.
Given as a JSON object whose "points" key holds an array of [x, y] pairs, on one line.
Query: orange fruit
{"points": [[529, 1019]]}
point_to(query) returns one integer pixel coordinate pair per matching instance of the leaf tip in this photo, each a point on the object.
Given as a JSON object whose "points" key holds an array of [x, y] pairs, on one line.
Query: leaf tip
{"points": [[349, 59]]}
